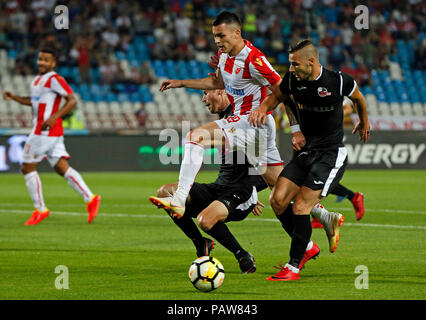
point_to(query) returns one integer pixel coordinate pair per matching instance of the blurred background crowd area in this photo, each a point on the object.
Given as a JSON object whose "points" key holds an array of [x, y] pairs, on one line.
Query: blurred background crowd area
{"points": [[118, 51]]}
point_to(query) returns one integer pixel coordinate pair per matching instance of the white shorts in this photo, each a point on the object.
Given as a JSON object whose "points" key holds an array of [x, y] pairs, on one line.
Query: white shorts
{"points": [[39, 147], [258, 143]]}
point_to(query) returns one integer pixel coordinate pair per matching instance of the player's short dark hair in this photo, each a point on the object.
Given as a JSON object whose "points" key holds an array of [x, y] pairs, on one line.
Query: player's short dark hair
{"points": [[300, 45], [49, 47], [228, 18]]}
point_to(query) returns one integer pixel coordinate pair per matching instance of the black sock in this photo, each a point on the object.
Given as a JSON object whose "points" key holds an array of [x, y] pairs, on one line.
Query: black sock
{"points": [[188, 226], [222, 234], [301, 238], [287, 220], [342, 191]]}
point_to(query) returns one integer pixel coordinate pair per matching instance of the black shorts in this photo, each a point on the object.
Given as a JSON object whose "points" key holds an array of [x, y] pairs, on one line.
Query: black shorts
{"points": [[240, 200], [317, 170]]}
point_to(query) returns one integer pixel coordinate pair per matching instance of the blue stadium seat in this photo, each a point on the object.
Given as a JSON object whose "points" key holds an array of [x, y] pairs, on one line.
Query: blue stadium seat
{"points": [[85, 95], [110, 97], [120, 55], [135, 97], [95, 89], [120, 87], [97, 97], [13, 54], [122, 97], [283, 58]]}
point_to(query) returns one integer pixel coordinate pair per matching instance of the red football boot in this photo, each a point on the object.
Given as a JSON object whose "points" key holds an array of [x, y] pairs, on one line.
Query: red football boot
{"points": [[284, 275], [93, 207], [358, 203], [37, 216], [316, 224], [310, 254]]}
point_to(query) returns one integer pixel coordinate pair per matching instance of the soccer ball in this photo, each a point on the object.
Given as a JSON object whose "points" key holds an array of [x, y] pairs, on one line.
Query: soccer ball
{"points": [[206, 273]]}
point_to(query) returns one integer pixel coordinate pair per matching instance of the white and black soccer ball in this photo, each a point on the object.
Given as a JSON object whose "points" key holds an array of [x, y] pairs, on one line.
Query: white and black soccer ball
{"points": [[206, 273]]}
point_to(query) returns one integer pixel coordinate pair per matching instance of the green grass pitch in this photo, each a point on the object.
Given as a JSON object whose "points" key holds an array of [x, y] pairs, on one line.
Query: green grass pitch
{"points": [[134, 251]]}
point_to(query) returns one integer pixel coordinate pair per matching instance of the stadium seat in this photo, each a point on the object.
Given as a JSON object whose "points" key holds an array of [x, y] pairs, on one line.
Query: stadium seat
{"points": [[395, 109], [115, 108], [384, 108], [406, 109], [151, 108], [127, 108], [418, 109]]}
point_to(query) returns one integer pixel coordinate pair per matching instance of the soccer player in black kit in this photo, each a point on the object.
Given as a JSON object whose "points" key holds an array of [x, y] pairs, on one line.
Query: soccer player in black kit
{"points": [[315, 96], [231, 198]]}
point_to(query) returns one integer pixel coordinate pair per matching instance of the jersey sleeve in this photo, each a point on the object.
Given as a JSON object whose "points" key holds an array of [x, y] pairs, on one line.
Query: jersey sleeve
{"points": [[347, 85], [263, 72], [285, 84], [60, 86]]}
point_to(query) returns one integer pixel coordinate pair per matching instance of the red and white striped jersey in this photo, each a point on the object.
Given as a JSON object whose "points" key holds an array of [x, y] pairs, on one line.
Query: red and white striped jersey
{"points": [[246, 77], [47, 91]]}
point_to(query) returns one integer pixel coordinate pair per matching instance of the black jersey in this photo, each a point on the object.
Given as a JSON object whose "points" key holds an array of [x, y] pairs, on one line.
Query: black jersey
{"points": [[234, 169], [318, 106]]}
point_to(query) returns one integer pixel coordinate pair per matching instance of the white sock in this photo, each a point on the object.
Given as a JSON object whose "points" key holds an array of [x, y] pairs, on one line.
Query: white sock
{"points": [[293, 269], [191, 164], [75, 180], [309, 246], [33, 183], [321, 213]]}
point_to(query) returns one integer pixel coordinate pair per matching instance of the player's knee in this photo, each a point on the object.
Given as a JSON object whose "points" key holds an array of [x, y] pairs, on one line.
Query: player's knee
{"points": [[59, 170], [25, 169], [195, 136], [206, 222], [279, 204], [299, 207]]}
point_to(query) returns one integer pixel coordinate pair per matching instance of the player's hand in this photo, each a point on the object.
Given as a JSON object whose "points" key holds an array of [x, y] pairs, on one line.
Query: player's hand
{"points": [[298, 141], [364, 131], [48, 123], [168, 84], [257, 117], [7, 95], [257, 211], [214, 61]]}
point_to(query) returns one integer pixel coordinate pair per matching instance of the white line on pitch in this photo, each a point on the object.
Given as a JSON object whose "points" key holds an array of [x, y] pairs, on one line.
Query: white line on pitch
{"points": [[126, 215], [146, 205]]}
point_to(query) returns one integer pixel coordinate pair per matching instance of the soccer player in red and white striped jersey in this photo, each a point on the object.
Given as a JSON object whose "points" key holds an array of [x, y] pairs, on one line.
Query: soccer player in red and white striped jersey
{"points": [[245, 74], [47, 136]]}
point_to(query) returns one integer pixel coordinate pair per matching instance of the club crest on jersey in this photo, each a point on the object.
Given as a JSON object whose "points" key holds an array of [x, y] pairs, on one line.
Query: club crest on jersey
{"points": [[323, 92], [237, 70], [258, 61]]}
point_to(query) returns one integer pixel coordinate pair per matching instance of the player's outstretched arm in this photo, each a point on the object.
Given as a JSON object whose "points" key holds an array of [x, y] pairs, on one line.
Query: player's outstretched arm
{"points": [[209, 83], [7, 95], [363, 126], [70, 103]]}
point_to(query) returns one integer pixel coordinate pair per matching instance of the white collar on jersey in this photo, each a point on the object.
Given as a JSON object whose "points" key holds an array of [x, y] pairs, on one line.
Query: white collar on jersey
{"points": [[319, 74]]}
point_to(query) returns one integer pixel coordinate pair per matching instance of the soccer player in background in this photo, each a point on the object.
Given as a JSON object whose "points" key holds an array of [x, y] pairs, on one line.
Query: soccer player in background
{"points": [[317, 98], [46, 139]]}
